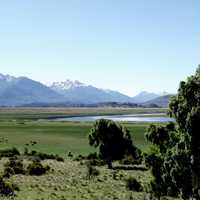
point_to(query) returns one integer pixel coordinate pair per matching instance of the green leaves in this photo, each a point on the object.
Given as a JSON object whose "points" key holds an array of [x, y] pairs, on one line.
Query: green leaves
{"points": [[112, 140], [178, 156]]}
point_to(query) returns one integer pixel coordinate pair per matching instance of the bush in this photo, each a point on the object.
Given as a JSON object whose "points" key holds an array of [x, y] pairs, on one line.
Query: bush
{"points": [[16, 165], [97, 162], [79, 158], [60, 159], [92, 171], [6, 189], [133, 185], [129, 160], [8, 172], [70, 155], [37, 169], [44, 156], [92, 156], [9, 152]]}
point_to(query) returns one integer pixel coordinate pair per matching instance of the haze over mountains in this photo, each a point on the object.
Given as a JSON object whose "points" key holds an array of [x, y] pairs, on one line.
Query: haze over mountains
{"points": [[23, 91]]}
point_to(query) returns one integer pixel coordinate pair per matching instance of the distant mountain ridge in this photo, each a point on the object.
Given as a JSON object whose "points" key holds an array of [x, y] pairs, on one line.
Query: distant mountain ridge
{"points": [[23, 91], [162, 101], [145, 96], [81, 93]]}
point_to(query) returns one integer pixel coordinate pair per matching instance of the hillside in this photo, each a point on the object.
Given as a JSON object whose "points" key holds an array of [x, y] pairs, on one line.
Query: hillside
{"points": [[19, 91], [162, 101]]}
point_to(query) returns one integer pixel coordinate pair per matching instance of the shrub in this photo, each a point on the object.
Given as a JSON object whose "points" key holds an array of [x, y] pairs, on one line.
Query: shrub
{"points": [[97, 162], [37, 169], [8, 172], [92, 156], [16, 165], [133, 185], [70, 155], [44, 156], [79, 158], [60, 159], [92, 171], [9, 152], [129, 160], [6, 189]]}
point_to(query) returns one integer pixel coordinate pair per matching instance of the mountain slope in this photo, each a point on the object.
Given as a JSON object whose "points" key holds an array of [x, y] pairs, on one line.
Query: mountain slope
{"points": [[144, 97], [77, 92], [162, 101], [22, 90]]}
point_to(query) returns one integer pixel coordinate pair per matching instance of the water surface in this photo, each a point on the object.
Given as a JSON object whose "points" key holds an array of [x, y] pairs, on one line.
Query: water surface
{"points": [[121, 118]]}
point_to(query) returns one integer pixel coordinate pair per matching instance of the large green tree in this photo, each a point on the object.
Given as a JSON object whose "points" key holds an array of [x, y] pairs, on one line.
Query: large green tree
{"points": [[177, 154], [185, 108], [112, 140]]}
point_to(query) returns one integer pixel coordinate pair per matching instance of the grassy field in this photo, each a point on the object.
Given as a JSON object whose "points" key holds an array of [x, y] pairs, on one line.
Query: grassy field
{"points": [[47, 113], [19, 126], [58, 137], [68, 180]]}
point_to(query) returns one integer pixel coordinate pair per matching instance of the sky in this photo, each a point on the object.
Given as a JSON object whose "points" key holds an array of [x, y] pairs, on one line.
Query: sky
{"points": [[129, 45]]}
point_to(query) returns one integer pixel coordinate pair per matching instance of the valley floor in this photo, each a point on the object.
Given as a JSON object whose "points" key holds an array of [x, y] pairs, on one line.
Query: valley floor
{"points": [[68, 180]]}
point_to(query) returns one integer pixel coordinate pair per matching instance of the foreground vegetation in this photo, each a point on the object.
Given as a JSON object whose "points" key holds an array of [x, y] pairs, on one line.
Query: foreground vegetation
{"points": [[72, 179]]}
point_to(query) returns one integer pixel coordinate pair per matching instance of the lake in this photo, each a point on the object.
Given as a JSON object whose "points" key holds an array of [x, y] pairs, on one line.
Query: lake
{"points": [[121, 118]]}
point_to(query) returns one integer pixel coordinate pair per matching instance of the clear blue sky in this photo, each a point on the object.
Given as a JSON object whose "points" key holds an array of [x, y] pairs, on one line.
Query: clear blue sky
{"points": [[127, 45]]}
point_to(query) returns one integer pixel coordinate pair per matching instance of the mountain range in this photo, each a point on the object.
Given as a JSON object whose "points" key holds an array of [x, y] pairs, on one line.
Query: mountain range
{"points": [[23, 91]]}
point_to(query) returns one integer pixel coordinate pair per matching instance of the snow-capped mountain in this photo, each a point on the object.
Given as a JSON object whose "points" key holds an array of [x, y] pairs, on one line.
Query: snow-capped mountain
{"points": [[18, 91], [22, 91], [66, 85], [78, 92], [7, 78]]}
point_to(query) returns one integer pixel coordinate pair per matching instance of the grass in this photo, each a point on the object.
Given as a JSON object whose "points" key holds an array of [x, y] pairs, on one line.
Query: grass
{"points": [[58, 137], [21, 125], [68, 180], [47, 113]]}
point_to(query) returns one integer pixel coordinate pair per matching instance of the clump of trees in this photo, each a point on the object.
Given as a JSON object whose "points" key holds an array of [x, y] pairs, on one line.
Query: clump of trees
{"points": [[175, 157], [112, 140]]}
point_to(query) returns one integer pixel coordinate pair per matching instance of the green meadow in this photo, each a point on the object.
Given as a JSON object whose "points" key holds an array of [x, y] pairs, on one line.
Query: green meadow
{"points": [[19, 126], [58, 137], [68, 180]]}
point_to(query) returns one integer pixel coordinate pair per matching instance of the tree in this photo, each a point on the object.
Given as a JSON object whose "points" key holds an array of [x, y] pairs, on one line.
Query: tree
{"points": [[112, 140], [185, 108], [162, 138], [178, 146]]}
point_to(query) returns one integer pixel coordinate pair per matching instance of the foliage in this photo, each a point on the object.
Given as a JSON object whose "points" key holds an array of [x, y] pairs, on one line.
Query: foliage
{"points": [[8, 172], [129, 160], [9, 152], [92, 156], [6, 189], [37, 169], [43, 156], [91, 171], [175, 160], [133, 185], [112, 140], [16, 165]]}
